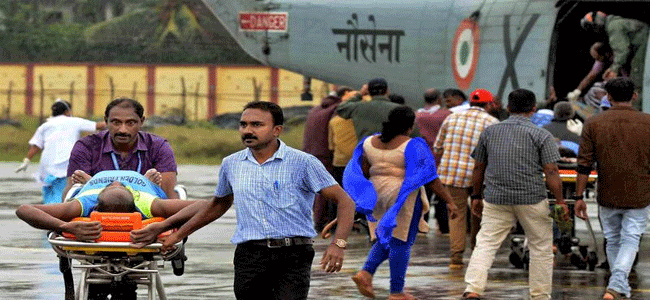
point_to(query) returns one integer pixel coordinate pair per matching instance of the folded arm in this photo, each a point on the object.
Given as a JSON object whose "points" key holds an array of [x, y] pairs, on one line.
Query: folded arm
{"points": [[58, 217]]}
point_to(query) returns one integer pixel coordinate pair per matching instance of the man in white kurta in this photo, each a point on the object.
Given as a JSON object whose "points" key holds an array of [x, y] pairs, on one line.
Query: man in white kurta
{"points": [[55, 138]]}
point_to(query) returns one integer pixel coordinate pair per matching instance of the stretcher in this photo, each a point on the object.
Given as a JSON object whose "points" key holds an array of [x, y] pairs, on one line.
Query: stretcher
{"points": [[581, 256], [111, 259], [568, 175]]}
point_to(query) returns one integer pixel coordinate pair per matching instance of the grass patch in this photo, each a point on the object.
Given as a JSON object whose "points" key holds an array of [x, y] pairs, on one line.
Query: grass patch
{"points": [[198, 143], [14, 140]]}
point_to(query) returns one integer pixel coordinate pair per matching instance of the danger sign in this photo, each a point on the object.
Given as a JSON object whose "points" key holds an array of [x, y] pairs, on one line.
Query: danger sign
{"points": [[261, 21]]}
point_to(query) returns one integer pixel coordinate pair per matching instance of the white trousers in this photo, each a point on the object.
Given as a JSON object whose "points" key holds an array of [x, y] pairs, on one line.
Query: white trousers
{"points": [[496, 224]]}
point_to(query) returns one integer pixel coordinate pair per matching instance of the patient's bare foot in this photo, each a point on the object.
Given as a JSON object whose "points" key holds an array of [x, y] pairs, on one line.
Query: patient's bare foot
{"points": [[80, 176], [154, 176]]}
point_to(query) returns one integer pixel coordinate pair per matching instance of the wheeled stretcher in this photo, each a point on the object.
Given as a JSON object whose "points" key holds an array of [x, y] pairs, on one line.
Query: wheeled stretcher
{"points": [[581, 256], [111, 259]]}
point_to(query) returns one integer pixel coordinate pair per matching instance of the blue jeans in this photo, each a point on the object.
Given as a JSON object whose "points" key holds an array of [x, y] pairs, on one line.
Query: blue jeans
{"points": [[53, 192], [622, 229]]}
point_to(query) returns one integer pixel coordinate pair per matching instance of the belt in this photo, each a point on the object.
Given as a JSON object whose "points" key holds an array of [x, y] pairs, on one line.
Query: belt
{"points": [[284, 242]]}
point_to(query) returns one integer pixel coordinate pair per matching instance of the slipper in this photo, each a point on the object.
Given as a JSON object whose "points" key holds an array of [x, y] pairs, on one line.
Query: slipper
{"points": [[615, 294], [466, 296], [363, 280]]}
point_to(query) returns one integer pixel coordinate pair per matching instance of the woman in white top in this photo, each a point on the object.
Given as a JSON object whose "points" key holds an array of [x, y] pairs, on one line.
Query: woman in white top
{"points": [[55, 138]]}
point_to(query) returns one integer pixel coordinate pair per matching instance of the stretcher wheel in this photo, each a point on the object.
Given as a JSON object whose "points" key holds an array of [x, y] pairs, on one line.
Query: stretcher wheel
{"points": [[579, 257], [178, 263], [592, 260], [515, 260], [526, 260]]}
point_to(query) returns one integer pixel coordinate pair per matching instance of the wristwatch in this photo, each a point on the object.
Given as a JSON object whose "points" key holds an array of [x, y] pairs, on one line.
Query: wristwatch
{"points": [[476, 197], [341, 243], [577, 197]]}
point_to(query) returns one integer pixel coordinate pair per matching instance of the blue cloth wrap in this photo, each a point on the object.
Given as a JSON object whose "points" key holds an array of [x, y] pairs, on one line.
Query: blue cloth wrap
{"points": [[420, 169]]}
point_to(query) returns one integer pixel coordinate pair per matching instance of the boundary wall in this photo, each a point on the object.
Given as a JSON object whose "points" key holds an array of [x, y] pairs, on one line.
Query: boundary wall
{"points": [[201, 91]]}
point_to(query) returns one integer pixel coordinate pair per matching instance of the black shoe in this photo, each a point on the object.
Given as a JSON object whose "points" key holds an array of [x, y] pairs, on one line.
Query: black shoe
{"points": [[603, 265]]}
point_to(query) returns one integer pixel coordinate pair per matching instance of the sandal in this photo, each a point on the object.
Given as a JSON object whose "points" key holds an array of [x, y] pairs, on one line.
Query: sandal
{"points": [[363, 280], [616, 295], [468, 295]]}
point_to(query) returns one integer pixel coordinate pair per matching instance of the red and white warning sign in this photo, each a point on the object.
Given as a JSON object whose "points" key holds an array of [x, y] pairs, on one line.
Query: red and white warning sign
{"points": [[464, 53], [263, 21]]}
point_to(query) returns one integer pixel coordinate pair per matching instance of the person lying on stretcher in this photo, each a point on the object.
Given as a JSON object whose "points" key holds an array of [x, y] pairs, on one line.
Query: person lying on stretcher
{"points": [[107, 191]]}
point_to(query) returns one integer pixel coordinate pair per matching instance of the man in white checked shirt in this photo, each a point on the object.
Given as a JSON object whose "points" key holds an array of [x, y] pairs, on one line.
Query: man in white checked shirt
{"points": [[456, 139], [272, 186], [511, 159]]}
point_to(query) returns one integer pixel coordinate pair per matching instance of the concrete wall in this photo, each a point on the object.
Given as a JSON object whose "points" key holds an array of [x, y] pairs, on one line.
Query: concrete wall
{"points": [[204, 90]]}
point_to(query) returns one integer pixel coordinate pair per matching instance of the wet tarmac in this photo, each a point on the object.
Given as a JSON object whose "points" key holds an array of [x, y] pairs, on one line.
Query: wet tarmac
{"points": [[29, 267]]}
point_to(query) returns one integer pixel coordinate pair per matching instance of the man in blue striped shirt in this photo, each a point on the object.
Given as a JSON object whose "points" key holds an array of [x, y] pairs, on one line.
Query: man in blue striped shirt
{"points": [[272, 186]]}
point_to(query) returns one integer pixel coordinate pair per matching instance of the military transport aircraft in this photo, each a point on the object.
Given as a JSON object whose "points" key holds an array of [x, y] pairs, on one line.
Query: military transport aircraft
{"points": [[499, 45]]}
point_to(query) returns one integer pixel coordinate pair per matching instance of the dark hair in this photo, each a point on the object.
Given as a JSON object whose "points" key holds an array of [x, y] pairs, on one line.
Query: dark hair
{"points": [[397, 98], [482, 105], [274, 109], [602, 49], [59, 107], [454, 93], [521, 101], [115, 200], [620, 89], [125, 103], [400, 120], [431, 96], [377, 86], [340, 92]]}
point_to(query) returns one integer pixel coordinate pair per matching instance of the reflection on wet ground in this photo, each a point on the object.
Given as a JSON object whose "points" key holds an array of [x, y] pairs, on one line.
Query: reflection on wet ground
{"points": [[29, 268]]}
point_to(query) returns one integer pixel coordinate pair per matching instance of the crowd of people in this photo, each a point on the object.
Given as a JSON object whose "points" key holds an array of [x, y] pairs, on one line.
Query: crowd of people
{"points": [[483, 167]]}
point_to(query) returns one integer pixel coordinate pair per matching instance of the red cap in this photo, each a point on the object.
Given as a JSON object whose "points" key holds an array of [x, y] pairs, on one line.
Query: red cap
{"points": [[480, 96]]}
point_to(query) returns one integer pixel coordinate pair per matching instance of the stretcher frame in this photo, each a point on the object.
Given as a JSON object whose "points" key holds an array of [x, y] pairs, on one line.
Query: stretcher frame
{"points": [[567, 176], [572, 176], [105, 262]]}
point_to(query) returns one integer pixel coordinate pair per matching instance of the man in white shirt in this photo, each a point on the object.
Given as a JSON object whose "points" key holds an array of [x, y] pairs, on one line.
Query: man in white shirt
{"points": [[55, 138], [455, 100]]}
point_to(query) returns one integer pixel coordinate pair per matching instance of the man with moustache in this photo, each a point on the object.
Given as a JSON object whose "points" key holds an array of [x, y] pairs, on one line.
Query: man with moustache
{"points": [[123, 147], [273, 187]]}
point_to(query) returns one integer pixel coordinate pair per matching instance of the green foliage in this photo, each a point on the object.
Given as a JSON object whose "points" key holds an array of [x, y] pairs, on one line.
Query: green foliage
{"points": [[157, 32], [25, 38]]}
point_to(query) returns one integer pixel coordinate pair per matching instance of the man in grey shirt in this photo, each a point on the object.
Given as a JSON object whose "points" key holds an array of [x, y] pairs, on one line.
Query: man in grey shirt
{"points": [[511, 159]]}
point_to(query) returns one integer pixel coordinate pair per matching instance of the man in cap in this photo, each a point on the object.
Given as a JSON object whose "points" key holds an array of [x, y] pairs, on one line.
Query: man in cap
{"points": [[562, 112], [55, 138], [627, 38], [368, 116], [458, 136]]}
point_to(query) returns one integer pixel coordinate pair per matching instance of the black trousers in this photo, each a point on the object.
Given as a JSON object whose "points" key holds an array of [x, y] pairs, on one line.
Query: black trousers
{"points": [[272, 273]]}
